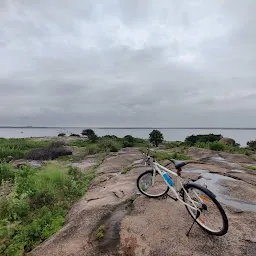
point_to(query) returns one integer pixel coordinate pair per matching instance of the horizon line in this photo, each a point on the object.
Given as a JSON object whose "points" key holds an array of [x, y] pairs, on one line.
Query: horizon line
{"points": [[114, 127]]}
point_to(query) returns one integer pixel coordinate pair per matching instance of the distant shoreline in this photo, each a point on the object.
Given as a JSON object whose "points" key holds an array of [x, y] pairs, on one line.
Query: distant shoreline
{"points": [[131, 128]]}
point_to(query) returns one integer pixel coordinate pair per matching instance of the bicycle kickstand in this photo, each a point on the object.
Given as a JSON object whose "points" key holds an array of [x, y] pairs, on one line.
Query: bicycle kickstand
{"points": [[191, 227], [198, 213]]}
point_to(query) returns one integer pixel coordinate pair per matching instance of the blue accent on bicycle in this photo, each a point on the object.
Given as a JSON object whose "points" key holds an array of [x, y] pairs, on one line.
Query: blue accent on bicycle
{"points": [[168, 179]]}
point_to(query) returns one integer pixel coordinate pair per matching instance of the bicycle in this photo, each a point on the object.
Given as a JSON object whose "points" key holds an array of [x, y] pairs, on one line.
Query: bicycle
{"points": [[157, 183]]}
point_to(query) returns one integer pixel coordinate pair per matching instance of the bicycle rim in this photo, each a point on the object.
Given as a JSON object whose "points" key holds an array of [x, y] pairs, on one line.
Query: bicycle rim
{"points": [[152, 186], [212, 217]]}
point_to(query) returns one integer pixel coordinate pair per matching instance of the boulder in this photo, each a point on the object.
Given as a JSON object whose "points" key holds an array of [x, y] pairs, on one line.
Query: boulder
{"points": [[48, 153], [228, 141]]}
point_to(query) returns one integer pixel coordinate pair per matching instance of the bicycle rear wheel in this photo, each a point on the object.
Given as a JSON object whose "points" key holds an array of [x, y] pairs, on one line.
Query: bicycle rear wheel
{"points": [[152, 186], [212, 218]]}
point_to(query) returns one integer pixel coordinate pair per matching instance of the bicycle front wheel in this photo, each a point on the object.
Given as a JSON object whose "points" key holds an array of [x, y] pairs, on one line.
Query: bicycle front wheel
{"points": [[212, 217], [152, 185]]}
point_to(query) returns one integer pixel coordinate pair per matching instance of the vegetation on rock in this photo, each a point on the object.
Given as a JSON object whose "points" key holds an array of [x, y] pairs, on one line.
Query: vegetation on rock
{"points": [[19, 148], [37, 205]]}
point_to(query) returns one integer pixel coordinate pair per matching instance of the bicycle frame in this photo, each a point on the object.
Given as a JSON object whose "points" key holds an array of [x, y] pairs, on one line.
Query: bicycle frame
{"points": [[157, 167]]}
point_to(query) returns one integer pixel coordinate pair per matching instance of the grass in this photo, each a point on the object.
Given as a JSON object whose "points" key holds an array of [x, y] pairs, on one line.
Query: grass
{"points": [[37, 204], [161, 155], [100, 233], [18, 148], [132, 198], [127, 169], [225, 148], [250, 167], [110, 143]]}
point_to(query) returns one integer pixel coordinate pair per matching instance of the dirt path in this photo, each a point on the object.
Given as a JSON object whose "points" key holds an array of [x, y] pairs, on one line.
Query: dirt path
{"points": [[156, 227]]}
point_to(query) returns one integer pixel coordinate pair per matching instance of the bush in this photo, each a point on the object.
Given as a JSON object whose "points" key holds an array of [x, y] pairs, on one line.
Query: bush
{"points": [[36, 208], [61, 134], [193, 139], [6, 173], [18, 148], [114, 137], [57, 144], [74, 135], [217, 146], [156, 137], [128, 141], [109, 145], [90, 135], [80, 143], [252, 144], [93, 149], [167, 156], [173, 144]]}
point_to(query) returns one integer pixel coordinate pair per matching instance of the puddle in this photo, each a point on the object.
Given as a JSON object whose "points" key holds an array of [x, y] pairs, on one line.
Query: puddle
{"points": [[191, 170], [218, 159], [35, 163], [111, 223], [84, 164], [240, 171], [212, 182]]}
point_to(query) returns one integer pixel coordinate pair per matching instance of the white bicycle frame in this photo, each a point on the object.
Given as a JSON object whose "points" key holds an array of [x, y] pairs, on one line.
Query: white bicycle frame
{"points": [[157, 167]]}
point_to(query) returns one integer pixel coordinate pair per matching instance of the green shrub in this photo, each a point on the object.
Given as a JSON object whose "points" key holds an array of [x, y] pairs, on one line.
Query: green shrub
{"points": [[251, 167], [173, 144], [6, 172], [193, 139], [217, 146], [36, 207], [56, 144], [93, 149], [161, 155], [18, 148], [111, 145], [100, 232], [80, 143], [74, 135], [90, 134], [252, 144], [128, 141]]}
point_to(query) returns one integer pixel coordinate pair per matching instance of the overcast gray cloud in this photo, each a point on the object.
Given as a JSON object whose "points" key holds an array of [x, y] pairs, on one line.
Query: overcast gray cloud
{"points": [[128, 63]]}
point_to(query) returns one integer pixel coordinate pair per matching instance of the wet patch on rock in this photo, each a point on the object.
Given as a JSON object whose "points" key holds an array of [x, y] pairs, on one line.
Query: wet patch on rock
{"points": [[214, 183], [108, 241], [86, 164]]}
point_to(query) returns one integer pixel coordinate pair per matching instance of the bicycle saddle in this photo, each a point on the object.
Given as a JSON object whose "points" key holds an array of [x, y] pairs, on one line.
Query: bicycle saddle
{"points": [[178, 164]]}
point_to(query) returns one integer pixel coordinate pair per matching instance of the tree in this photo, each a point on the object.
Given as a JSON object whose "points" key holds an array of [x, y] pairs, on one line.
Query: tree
{"points": [[156, 137], [251, 144], [90, 134]]}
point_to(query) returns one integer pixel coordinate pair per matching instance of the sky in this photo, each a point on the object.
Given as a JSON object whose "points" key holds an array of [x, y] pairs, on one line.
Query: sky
{"points": [[168, 63]]}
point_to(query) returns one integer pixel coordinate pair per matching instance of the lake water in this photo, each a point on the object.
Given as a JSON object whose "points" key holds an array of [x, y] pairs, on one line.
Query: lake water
{"points": [[240, 136]]}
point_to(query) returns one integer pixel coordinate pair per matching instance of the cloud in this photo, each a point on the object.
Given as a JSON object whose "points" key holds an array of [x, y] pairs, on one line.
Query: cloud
{"points": [[127, 63]]}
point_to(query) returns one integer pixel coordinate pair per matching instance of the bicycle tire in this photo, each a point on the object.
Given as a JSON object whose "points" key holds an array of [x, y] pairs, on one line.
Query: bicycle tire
{"points": [[143, 192], [224, 229]]}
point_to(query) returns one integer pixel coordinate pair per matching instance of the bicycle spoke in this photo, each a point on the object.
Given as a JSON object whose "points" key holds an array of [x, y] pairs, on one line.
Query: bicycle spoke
{"points": [[210, 217]]}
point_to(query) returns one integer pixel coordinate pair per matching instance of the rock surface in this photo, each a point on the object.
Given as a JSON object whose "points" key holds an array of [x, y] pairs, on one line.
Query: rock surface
{"points": [[139, 226]]}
